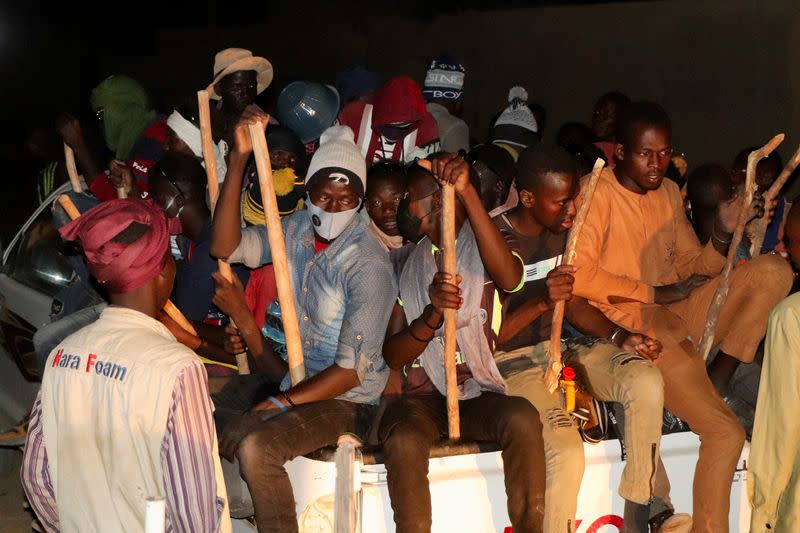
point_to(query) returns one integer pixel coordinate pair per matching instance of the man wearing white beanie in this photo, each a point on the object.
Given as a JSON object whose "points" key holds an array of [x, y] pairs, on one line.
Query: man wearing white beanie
{"points": [[344, 291]]}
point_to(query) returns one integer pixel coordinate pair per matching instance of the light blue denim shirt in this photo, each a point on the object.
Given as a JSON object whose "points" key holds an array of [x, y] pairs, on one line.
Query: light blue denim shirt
{"points": [[344, 296]]}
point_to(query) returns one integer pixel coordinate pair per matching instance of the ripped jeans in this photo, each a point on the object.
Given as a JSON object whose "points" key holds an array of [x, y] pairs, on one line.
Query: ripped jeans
{"points": [[612, 375]]}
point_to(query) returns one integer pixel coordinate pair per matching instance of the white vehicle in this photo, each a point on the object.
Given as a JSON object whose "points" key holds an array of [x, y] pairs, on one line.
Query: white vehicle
{"points": [[466, 480]]}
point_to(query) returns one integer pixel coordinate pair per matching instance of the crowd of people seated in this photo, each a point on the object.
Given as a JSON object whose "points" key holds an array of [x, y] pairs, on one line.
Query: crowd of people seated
{"points": [[135, 405]]}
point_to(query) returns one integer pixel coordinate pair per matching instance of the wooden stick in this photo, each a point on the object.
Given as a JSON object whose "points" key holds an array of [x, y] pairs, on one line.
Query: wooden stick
{"points": [[72, 169], [208, 146], [587, 191], [213, 193], [155, 515], [707, 341], [277, 246], [69, 206], [760, 225], [173, 312], [346, 486], [449, 256]]}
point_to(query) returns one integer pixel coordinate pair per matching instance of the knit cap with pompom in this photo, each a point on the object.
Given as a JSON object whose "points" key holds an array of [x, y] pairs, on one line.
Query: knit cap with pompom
{"points": [[516, 125]]}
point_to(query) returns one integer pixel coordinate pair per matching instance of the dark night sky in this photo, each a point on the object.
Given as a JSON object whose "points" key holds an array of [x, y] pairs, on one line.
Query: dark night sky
{"points": [[49, 56]]}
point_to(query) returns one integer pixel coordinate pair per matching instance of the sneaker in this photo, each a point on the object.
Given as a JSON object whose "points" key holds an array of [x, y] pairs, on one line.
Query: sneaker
{"points": [[15, 436], [670, 522]]}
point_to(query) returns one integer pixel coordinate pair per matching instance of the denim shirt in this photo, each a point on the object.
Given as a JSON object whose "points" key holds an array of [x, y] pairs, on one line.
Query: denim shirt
{"points": [[344, 296]]}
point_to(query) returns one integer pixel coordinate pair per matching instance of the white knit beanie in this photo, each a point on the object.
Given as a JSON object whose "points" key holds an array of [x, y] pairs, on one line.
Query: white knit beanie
{"points": [[338, 151], [518, 113]]}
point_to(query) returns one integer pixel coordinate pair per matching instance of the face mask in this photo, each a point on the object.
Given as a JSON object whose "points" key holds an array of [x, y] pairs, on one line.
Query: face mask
{"points": [[329, 225], [408, 224]]}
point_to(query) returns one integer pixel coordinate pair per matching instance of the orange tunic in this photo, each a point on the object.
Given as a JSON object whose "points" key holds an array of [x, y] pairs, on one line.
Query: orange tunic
{"points": [[631, 243]]}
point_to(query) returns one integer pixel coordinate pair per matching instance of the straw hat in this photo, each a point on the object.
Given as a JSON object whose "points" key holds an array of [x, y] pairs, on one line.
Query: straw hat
{"points": [[236, 59]]}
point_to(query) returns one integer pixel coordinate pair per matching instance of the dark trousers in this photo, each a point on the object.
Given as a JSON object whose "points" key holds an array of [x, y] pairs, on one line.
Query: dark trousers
{"points": [[263, 452], [413, 424]]}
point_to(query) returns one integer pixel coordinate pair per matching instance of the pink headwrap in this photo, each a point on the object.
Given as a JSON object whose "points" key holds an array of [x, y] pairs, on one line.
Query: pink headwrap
{"points": [[121, 267]]}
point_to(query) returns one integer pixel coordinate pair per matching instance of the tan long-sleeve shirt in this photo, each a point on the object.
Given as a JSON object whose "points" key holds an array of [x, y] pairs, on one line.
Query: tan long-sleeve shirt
{"points": [[631, 243]]}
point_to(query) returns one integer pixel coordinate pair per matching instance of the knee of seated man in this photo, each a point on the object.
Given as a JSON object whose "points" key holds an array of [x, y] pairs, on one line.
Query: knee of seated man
{"points": [[520, 417], [644, 384], [770, 273], [725, 430], [407, 439]]}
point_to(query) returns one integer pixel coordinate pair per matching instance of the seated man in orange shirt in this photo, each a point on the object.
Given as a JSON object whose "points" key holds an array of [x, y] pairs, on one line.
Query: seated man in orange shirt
{"points": [[639, 261]]}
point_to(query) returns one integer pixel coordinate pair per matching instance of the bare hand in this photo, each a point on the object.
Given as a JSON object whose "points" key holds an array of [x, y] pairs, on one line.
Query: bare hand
{"points": [[252, 114], [559, 284], [121, 176], [667, 294], [232, 342], [449, 169], [728, 213], [443, 293], [70, 130], [229, 296], [642, 345]]}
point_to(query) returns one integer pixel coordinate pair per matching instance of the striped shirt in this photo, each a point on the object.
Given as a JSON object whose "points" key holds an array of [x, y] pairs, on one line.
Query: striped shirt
{"points": [[186, 459]]}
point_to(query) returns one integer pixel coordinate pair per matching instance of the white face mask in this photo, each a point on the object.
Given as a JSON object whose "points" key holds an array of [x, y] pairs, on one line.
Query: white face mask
{"points": [[329, 225]]}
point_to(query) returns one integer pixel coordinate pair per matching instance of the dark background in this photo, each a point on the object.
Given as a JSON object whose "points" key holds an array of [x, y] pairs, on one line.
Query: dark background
{"points": [[726, 70]]}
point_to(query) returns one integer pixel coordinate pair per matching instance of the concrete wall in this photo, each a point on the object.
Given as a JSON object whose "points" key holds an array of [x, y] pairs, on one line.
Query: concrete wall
{"points": [[723, 69]]}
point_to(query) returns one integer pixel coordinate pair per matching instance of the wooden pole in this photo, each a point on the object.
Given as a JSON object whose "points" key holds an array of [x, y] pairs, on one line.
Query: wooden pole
{"points": [[760, 225], [155, 515], [587, 191], [72, 169], [707, 341], [213, 193], [449, 256], [345, 503], [173, 312], [277, 246]]}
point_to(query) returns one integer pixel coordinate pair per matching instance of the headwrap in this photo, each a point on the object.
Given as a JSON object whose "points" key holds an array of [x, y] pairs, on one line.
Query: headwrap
{"points": [[126, 112], [121, 267], [190, 134]]}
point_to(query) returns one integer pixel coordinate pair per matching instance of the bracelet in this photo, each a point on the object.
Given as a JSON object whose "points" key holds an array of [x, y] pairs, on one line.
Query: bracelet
{"points": [[277, 403], [613, 337], [424, 341], [432, 328], [288, 399]]}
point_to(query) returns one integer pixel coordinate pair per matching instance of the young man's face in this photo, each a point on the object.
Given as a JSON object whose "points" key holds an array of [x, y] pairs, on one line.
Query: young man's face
{"points": [[382, 201], [333, 196], [604, 119], [552, 204], [643, 159], [282, 159], [238, 89]]}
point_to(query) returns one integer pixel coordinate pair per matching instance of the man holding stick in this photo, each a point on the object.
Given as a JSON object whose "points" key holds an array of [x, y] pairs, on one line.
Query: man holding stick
{"points": [[613, 363], [343, 288], [414, 343], [641, 264]]}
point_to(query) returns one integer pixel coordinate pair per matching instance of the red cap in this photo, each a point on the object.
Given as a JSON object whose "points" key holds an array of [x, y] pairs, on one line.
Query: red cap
{"points": [[568, 374]]}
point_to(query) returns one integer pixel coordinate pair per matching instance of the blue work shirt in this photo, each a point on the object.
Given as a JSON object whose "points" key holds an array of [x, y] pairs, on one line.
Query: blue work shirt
{"points": [[344, 295]]}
